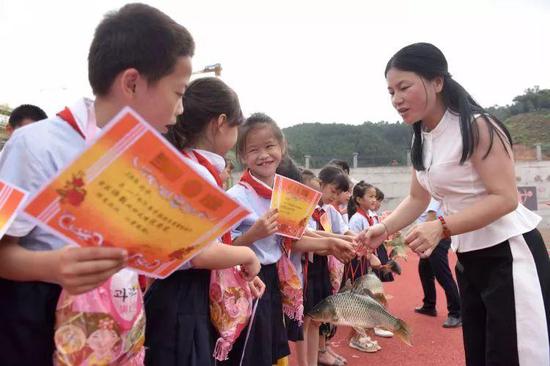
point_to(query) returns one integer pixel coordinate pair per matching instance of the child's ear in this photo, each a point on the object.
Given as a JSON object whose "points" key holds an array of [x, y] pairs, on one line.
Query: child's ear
{"points": [[128, 82], [222, 119]]}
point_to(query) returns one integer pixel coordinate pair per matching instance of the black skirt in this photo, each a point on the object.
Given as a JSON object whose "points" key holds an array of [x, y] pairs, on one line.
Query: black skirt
{"points": [[27, 322], [178, 329], [268, 340], [317, 287], [294, 331]]}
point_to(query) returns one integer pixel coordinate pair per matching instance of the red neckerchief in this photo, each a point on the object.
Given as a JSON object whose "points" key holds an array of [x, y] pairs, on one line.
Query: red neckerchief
{"points": [[317, 213], [226, 238], [67, 116], [259, 188], [365, 215]]}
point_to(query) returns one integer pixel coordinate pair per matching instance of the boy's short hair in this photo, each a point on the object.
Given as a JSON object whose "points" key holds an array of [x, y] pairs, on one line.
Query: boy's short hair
{"points": [[340, 164], [379, 194], [26, 111], [136, 36]]}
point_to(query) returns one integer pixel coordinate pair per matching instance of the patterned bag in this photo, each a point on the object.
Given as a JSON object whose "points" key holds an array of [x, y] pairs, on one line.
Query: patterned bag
{"points": [[230, 308], [291, 287], [335, 272], [103, 327]]}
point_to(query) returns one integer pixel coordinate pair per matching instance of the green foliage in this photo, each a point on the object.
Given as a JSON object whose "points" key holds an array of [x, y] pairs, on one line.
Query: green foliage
{"points": [[533, 100], [376, 143]]}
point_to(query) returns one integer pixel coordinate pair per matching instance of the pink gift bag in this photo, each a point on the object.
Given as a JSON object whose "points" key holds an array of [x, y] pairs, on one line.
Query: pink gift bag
{"points": [[105, 326], [230, 308]]}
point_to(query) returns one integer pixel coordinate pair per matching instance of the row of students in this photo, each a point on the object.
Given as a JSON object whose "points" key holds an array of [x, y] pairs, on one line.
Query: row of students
{"points": [[124, 71]]}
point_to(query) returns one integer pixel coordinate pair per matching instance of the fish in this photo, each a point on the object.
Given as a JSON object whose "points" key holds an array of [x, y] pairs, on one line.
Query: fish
{"points": [[370, 284], [391, 266], [350, 308], [399, 248]]}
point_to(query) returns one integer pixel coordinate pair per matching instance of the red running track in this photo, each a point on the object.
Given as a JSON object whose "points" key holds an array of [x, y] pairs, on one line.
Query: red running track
{"points": [[433, 345]]}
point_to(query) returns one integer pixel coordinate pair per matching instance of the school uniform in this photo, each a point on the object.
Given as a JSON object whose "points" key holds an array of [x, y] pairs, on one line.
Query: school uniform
{"points": [[357, 266], [179, 330], [268, 339], [317, 285], [30, 158], [381, 253], [504, 269]]}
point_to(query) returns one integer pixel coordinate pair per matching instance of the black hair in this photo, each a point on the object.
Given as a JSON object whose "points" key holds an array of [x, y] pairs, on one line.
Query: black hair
{"points": [[258, 120], [289, 169], [427, 61], [334, 175], [26, 111], [359, 191], [340, 164], [379, 194], [205, 99], [136, 36]]}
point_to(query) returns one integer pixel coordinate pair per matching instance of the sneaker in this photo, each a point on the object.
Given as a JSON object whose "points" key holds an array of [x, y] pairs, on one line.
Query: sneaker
{"points": [[383, 333], [425, 311], [364, 346], [452, 322]]}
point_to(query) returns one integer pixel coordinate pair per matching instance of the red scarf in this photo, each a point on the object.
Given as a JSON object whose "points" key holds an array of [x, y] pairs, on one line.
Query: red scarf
{"points": [[226, 238], [365, 215], [68, 117], [248, 180], [317, 213]]}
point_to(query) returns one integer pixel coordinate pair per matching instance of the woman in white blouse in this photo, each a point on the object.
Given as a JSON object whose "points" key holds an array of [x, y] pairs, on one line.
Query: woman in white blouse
{"points": [[463, 158]]}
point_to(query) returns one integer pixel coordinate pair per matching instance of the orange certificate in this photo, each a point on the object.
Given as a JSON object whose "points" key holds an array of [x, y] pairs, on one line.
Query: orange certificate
{"points": [[131, 189], [11, 199], [295, 203]]}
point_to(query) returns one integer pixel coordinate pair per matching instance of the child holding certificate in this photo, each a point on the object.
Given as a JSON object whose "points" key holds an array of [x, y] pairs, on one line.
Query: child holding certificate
{"points": [[179, 330], [124, 70]]}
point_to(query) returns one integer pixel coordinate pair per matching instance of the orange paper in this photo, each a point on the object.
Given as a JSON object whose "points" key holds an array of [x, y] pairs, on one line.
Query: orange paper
{"points": [[131, 189], [295, 203], [11, 199]]}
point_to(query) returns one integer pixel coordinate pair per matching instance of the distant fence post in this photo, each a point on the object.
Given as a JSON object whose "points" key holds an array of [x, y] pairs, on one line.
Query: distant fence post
{"points": [[409, 161], [307, 158], [355, 155], [539, 151]]}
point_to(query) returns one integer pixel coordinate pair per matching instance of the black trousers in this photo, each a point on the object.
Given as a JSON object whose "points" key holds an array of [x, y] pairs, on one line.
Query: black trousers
{"points": [[436, 267], [505, 293]]}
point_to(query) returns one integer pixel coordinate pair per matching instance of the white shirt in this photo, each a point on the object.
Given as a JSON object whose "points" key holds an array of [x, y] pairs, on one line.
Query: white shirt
{"points": [[268, 250], [434, 206], [34, 155], [460, 186], [337, 222], [358, 223]]}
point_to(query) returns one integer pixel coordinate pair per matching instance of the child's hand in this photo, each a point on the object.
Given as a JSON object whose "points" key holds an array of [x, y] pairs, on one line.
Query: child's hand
{"points": [[265, 226], [80, 270], [343, 250], [257, 287], [251, 268]]}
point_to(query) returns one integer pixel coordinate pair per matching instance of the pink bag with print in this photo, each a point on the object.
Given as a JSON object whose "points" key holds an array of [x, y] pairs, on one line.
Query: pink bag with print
{"points": [[105, 326], [230, 308], [335, 272], [292, 292]]}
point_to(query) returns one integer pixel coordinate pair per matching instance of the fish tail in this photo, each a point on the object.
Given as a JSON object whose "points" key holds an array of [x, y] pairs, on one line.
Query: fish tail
{"points": [[403, 332]]}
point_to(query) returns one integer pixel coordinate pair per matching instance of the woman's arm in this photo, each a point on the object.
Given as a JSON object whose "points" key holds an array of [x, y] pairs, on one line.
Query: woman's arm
{"points": [[496, 171], [405, 214]]}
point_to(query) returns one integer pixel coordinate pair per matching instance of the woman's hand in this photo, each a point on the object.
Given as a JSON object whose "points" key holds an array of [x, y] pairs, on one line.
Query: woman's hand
{"points": [[424, 237], [373, 236]]}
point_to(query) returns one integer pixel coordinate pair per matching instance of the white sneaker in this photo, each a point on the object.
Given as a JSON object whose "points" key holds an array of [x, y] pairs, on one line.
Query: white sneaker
{"points": [[383, 333]]}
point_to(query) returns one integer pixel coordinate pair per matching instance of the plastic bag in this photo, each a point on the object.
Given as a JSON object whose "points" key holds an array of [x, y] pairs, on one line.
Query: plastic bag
{"points": [[336, 273], [230, 308], [291, 289], [103, 327]]}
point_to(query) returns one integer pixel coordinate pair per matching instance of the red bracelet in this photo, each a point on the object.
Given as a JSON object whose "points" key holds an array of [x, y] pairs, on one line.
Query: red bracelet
{"points": [[446, 231]]}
